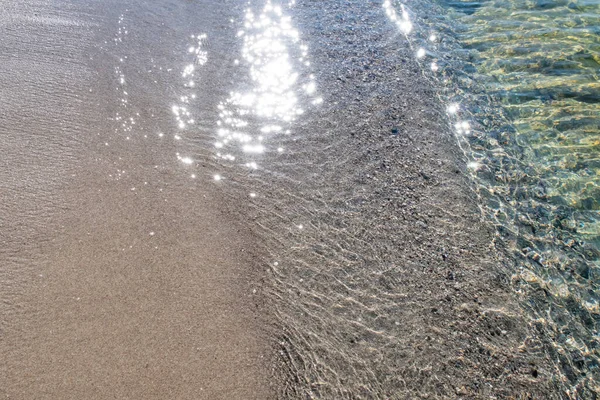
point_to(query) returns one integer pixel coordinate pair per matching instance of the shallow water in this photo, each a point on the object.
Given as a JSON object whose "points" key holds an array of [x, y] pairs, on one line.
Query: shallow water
{"points": [[520, 80], [332, 137], [519, 84], [330, 145]]}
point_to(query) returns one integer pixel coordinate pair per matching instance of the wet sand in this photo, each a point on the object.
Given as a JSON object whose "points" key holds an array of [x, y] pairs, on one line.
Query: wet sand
{"points": [[119, 277], [127, 272], [119, 313]]}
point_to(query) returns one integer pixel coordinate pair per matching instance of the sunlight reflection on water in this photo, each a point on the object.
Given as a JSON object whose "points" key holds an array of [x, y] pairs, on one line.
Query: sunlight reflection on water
{"points": [[183, 116], [251, 117]]}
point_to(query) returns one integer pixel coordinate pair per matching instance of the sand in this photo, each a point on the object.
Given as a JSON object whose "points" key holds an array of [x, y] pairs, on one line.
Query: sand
{"points": [[112, 285]]}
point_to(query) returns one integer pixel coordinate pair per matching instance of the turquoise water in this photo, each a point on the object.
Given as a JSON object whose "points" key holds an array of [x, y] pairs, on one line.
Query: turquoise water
{"points": [[521, 82]]}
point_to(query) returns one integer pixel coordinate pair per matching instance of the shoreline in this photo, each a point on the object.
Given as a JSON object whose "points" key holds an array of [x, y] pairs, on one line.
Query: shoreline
{"points": [[393, 287], [360, 268]]}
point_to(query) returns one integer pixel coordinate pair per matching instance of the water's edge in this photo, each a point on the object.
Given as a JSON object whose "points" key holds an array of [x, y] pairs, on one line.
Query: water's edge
{"points": [[383, 272]]}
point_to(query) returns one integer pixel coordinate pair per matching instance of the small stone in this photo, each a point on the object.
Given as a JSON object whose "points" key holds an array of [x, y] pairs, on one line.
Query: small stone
{"points": [[461, 390]]}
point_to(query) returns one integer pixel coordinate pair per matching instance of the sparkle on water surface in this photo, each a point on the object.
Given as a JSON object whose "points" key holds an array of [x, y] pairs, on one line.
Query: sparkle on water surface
{"points": [[259, 110]]}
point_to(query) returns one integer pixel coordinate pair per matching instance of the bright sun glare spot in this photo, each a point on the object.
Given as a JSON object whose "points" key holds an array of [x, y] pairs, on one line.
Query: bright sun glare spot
{"points": [[453, 108], [403, 21], [276, 59], [474, 165]]}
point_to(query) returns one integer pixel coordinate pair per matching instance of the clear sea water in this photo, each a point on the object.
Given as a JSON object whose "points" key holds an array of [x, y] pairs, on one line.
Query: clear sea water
{"points": [[521, 82]]}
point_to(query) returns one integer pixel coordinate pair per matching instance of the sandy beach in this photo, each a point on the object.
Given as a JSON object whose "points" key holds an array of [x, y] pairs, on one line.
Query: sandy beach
{"points": [[341, 256]]}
